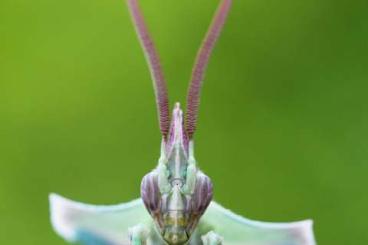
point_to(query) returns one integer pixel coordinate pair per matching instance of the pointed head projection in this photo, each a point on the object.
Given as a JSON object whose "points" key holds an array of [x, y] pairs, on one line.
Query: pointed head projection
{"points": [[177, 138], [176, 193]]}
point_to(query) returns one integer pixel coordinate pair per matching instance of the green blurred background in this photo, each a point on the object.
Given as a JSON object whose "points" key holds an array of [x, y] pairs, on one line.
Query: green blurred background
{"points": [[283, 124]]}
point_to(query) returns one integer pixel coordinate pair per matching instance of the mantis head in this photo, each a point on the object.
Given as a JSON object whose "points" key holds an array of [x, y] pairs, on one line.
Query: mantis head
{"points": [[176, 193]]}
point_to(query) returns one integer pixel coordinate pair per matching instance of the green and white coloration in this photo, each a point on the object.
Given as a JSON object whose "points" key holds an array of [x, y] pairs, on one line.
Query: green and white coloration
{"points": [[176, 194]]}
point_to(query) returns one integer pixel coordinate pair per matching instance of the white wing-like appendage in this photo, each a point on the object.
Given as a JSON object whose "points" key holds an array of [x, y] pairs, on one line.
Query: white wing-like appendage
{"points": [[95, 225], [237, 230]]}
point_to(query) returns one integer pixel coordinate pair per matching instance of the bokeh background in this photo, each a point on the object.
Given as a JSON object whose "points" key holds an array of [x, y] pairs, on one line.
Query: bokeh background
{"points": [[283, 125]]}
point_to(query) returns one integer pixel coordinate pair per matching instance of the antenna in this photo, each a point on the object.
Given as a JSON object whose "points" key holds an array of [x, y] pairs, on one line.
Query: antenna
{"points": [[200, 65], [159, 83]]}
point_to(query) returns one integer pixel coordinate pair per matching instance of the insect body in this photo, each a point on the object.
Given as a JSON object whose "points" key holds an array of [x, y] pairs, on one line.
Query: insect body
{"points": [[176, 194]]}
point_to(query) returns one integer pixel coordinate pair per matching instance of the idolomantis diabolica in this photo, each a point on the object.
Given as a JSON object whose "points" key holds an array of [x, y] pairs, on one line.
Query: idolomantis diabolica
{"points": [[176, 194]]}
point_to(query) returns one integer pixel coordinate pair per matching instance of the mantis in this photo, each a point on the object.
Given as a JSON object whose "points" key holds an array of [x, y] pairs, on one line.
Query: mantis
{"points": [[176, 206]]}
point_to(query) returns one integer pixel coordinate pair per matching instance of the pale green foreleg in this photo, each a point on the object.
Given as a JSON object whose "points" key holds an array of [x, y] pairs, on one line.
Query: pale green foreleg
{"points": [[138, 235], [212, 238]]}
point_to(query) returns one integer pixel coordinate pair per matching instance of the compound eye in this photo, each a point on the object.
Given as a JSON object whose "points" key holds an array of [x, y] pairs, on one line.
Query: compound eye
{"points": [[150, 193], [202, 195]]}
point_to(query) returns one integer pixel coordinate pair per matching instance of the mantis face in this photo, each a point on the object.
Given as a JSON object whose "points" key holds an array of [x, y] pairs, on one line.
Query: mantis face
{"points": [[176, 193]]}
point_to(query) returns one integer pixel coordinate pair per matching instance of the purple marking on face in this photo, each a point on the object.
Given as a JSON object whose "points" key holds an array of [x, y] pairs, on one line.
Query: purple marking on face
{"points": [[202, 195], [150, 193]]}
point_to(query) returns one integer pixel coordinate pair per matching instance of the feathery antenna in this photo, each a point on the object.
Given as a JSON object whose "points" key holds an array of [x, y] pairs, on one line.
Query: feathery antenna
{"points": [[200, 65], [153, 61]]}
